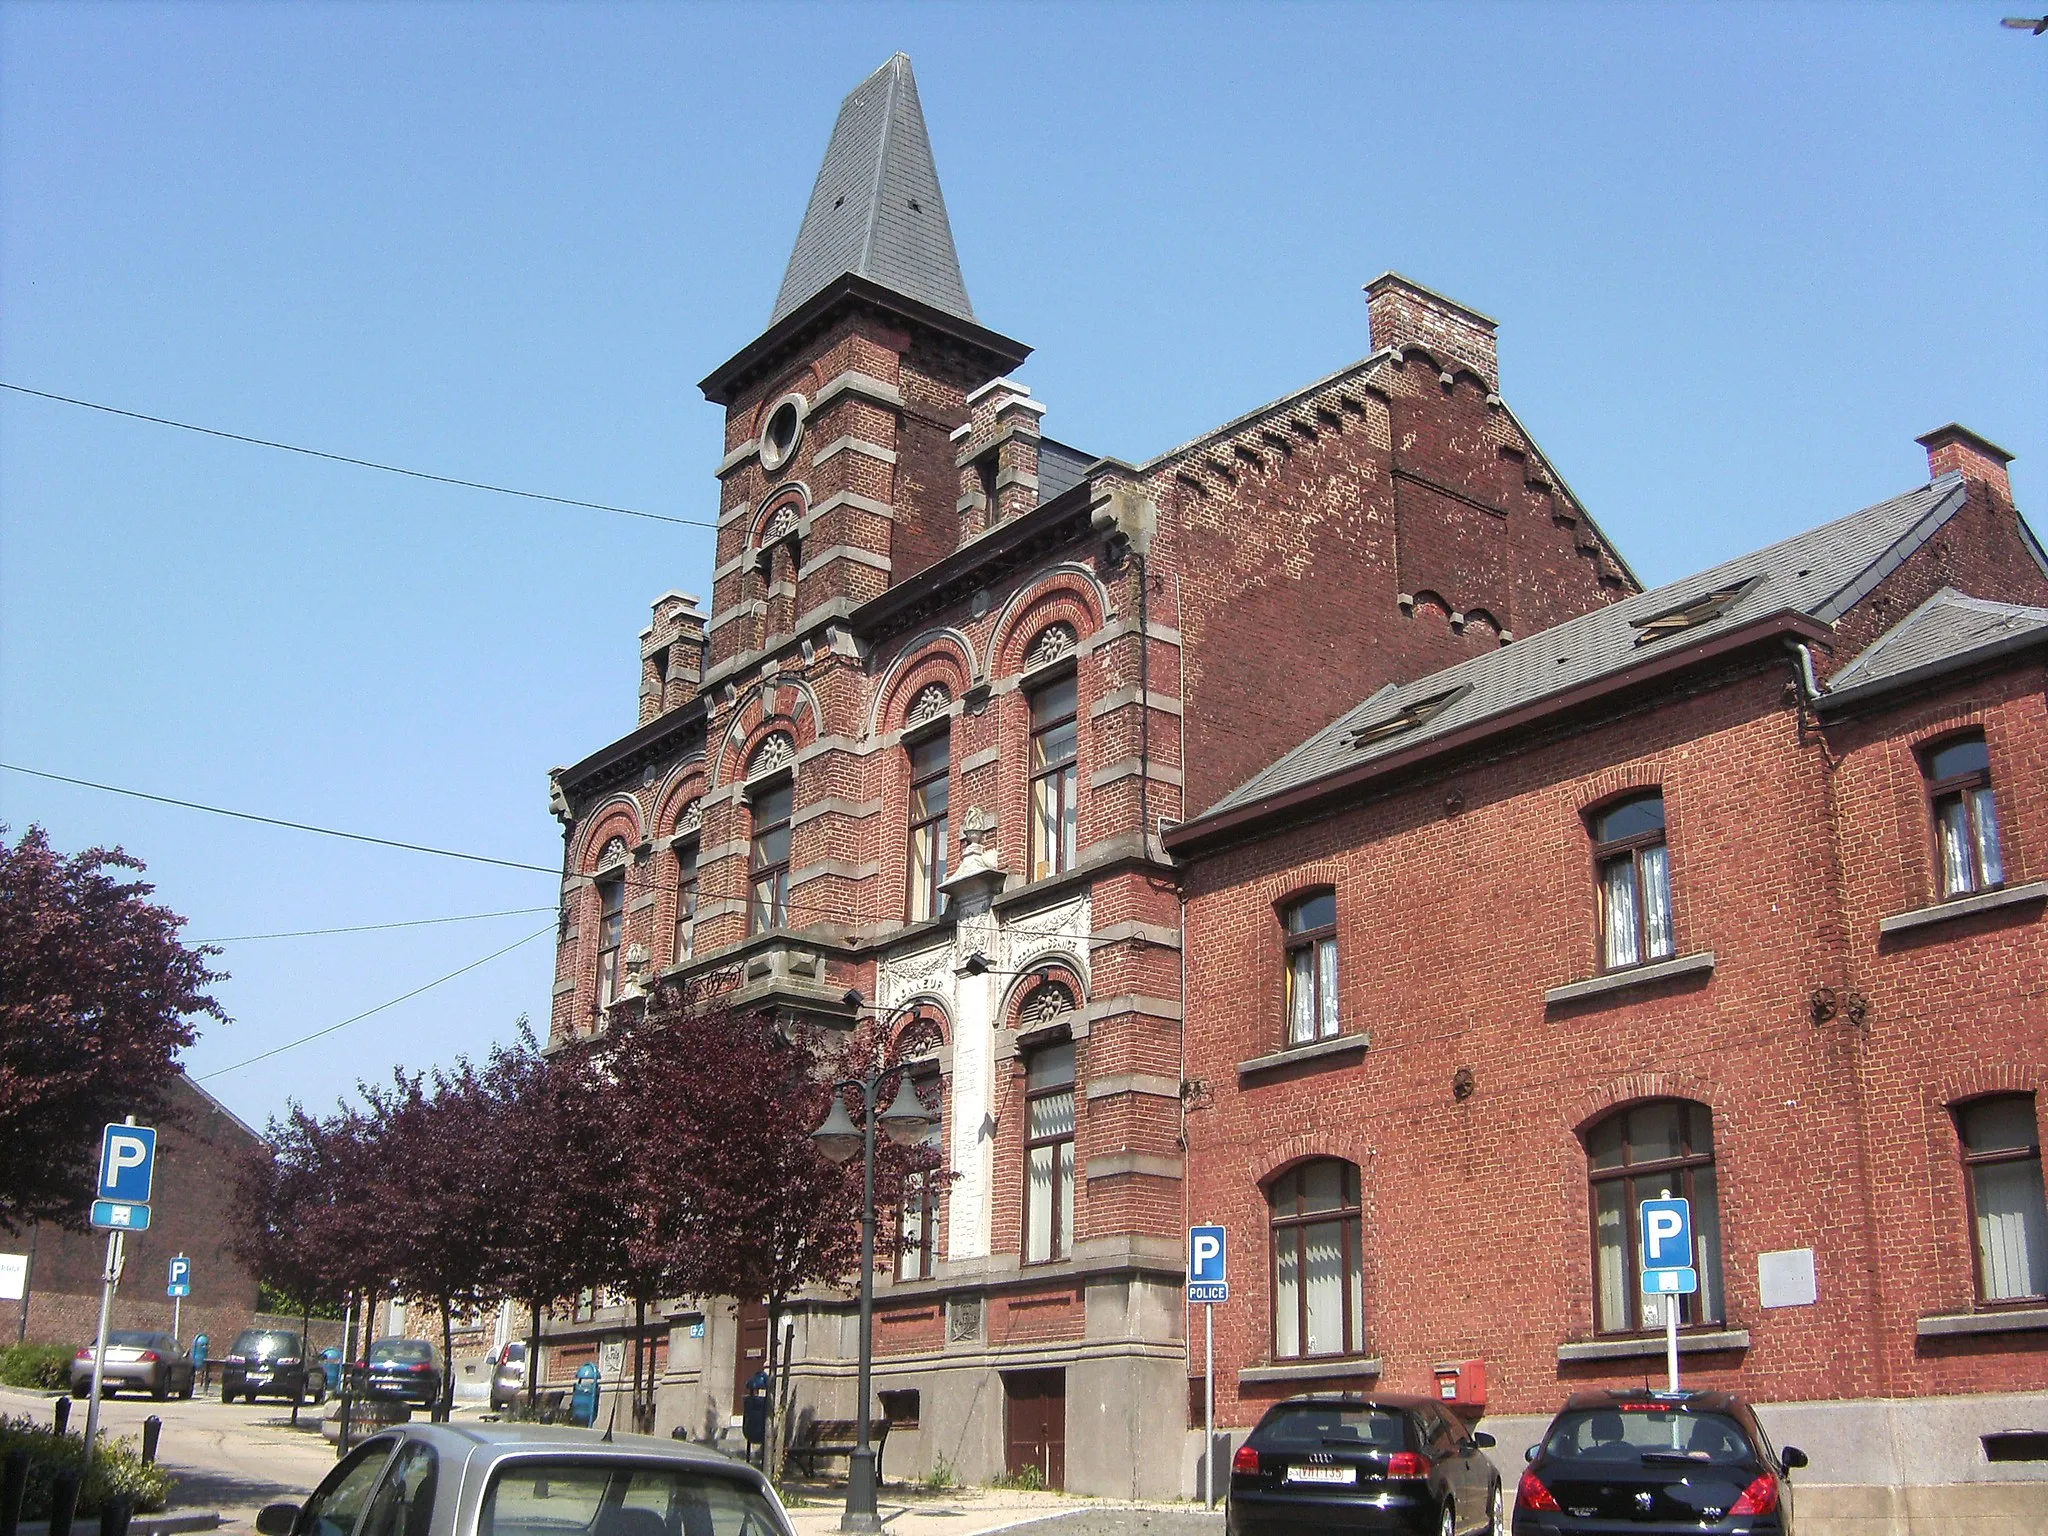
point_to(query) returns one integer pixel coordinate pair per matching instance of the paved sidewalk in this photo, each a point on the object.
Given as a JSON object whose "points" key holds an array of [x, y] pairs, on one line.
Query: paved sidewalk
{"points": [[980, 1511]]}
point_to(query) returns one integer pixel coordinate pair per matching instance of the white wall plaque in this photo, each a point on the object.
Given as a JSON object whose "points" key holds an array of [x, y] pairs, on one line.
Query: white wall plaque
{"points": [[1785, 1278]]}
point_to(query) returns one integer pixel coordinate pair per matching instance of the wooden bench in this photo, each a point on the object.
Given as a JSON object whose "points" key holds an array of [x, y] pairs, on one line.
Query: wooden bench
{"points": [[835, 1437]]}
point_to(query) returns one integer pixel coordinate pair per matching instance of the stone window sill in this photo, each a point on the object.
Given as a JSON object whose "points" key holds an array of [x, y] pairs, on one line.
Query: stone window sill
{"points": [[1635, 976], [1963, 906], [1954, 1324], [1651, 1347], [1310, 1370], [1295, 1055]]}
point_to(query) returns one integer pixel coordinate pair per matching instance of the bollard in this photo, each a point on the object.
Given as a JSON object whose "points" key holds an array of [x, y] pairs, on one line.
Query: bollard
{"points": [[63, 1502], [114, 1518], [13, 1485], [152, 1432], [61, 1414]]}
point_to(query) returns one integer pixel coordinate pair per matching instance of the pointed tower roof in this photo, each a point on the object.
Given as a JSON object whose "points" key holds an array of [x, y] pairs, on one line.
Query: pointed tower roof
{"points": [[877, 211]]}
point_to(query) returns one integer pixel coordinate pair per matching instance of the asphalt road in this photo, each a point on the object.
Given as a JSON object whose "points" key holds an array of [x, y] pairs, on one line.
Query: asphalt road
{"points": [[1110, 1520], [233, 1458]]}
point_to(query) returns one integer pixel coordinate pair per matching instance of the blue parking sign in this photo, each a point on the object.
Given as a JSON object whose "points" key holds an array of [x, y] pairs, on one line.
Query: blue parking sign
{"points": [[1667, 1234], [127, 1163], [181, 1277], [1208, 1278]]}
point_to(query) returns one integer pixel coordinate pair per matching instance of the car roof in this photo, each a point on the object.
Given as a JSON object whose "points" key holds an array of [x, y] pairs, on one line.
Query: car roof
{"points": [[1692, 1402], [1406, 1401], [510, 1439]]}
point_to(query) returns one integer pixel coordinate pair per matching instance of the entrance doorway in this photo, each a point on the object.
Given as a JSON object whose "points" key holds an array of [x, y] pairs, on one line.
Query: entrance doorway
{"points": [[1036, 1409], [750, 1353]]}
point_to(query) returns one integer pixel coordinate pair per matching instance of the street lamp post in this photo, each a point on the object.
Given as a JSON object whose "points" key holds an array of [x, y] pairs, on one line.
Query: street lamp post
{"points": [[903, 1122]]}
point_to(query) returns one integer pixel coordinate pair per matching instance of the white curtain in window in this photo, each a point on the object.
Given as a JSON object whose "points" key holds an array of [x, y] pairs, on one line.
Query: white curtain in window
{"points": [[1706, 1307], [1286, 1298], [1323, 1259], [1656, 866], [2012, 1230], [1326, 966], [1956, 873], [1619, 881], [1988, 857], [1038, 1205], [1066, 1178], [1613, 1256], [1301, 998]]}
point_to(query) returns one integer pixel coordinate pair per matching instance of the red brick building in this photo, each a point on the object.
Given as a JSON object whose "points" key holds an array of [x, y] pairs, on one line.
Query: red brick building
{"points": [[955, 676], [1730, 890]]}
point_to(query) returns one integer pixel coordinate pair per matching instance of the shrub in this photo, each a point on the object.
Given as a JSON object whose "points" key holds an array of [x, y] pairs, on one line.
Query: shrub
{"points": [[43, 1366], [117, 1469], [1028, 1479], [942, 1478]]}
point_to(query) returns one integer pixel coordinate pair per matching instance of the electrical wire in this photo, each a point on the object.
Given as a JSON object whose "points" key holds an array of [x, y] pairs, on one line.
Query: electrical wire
{"points": [[418, 922], [273, 821], [317, 1034], [343, 458]]}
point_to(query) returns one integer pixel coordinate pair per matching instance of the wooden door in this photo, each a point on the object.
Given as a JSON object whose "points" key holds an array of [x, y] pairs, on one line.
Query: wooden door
{"points": [[1036, 1407], [750, 1352]]}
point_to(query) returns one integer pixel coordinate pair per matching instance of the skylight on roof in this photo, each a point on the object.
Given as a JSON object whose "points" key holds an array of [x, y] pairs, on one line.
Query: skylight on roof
{"points": [[1703, 609], [1421, 712]]}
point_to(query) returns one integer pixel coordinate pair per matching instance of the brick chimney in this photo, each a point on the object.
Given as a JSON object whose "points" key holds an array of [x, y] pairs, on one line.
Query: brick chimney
{"points": [[1405, 314], [671, 655], [996, 450], [1977, 458]]}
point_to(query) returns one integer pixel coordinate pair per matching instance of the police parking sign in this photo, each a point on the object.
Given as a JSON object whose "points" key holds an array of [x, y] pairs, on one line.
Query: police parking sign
{"points": [[180, 1278], [1208, 1279], [127, 1163]]}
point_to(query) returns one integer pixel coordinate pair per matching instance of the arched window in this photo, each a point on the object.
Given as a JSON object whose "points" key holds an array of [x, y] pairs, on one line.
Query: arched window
{"points": [[1633, 867], [1055, 776], [1049, 1154], [1965, 815], [1311, 968], [1663, 1148], [1318, 1273], [931, 765], [611, 932], [768, 858], [2001, 1143], [920, 1209], [686, 897]]}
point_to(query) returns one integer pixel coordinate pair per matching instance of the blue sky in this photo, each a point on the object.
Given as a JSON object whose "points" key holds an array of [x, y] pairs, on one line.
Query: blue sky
{"points": [[1741, 256]]}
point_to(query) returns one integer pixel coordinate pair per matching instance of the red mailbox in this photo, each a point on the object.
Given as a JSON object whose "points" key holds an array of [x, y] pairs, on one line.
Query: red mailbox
{"points": [[1461, 1385]]}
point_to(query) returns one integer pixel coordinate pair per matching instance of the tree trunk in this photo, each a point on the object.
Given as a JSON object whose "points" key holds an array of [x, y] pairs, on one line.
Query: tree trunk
{"points": [[640, 1427], [770, 1460], [533, 1358], [447, 1393], [307, 1359]]}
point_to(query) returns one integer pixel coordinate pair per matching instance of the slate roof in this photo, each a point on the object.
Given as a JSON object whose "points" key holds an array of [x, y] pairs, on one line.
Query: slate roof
{"points": [[1948, 628], [1819, 575], [876, 210], [1060, 468]]}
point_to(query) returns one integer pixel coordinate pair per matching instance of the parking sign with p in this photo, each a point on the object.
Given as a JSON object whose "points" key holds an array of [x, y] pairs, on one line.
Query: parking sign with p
{"points": [[127, 1163], [1208, 1280]]}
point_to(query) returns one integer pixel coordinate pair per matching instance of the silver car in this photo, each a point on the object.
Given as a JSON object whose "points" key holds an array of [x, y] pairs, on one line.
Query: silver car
{"points": [[508, 1376], [530, 1480], [136, 1361]]}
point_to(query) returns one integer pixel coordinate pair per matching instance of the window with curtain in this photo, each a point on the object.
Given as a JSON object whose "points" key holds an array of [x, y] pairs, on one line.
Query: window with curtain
{"points": [[930, 765], [920, 1219], [1311, 968], [768, 859], [611, 931], [686, 898], [1633, 867], [1965, 816], [1652, 1151], [1318, 1273], [1049, 1154], [1055, 777], [2008, 1214]]}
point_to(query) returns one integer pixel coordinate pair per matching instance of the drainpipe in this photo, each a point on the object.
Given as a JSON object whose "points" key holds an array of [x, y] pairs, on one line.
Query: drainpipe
{"points": [[1809, 687]]}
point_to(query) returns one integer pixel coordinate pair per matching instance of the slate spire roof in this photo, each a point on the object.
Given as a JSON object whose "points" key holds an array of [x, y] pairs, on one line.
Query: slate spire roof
{"points": [[877, 210]]}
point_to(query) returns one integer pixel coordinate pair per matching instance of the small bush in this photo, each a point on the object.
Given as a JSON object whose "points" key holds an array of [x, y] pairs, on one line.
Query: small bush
{"points": [[117, 1469], [942, 1478], [45, 1367], [1025, 1479]]}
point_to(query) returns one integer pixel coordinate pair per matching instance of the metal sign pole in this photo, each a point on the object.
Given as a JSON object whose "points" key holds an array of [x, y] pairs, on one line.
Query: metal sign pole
{"points": [[1671, 1340], [99, 1349], [1209, 1402]]}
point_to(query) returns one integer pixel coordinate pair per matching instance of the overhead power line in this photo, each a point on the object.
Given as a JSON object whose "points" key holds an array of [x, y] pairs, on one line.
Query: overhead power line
{"points": [[418, 922], [273, 821], [367, 1012], [343, 458]]}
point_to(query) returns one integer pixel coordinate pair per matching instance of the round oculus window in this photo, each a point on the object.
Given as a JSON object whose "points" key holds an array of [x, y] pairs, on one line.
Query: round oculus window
{"points": [[784, 428]]}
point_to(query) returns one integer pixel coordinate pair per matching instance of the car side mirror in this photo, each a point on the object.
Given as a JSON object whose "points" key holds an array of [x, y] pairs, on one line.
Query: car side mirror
{"points": [[1530, 1454], [1791, 1458], [277, 1519], [1481, 1440]]}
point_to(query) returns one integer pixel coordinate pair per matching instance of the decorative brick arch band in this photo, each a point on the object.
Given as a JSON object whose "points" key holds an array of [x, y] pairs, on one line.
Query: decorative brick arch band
{"points": [[1640, 1087]]}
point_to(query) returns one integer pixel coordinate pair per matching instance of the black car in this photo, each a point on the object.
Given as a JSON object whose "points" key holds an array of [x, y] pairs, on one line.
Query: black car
{"points": [[1696, 1462], [1378, 1463], [270, 1362], [406, 1368]]}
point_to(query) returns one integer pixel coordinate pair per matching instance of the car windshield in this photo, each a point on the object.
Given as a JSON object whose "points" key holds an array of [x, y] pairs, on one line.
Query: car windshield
{"points": [[1639, 1433], [265, 1344], [590, 1497], [514, 1352], [130, 1340], [1341, 1424], [401, 1352]]}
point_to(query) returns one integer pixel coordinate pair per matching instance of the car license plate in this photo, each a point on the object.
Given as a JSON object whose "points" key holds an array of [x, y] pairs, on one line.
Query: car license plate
{"points": [[1321, 1475]]}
